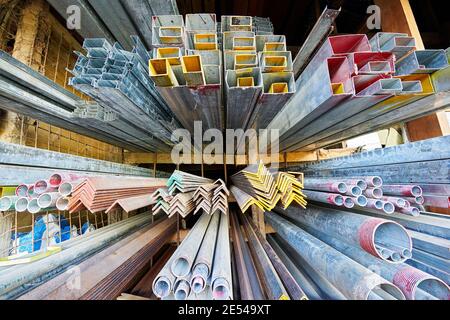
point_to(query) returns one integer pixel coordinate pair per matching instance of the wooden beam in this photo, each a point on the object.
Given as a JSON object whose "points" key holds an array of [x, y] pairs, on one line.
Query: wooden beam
{"points": [[398, 16], [291, 157]]}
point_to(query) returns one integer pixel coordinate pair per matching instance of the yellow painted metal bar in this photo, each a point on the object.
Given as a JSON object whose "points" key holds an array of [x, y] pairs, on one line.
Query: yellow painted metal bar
{"points": [[338, 88], [161, 73], [193, 70], [275, 46], [242, 61], [171, 35], [275, 63], [279, 87], [172, 54], [246, 82], [244, 43], [402, 100], [205, 41]]}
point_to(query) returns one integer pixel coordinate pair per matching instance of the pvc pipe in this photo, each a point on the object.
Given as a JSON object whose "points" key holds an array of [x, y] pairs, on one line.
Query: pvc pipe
{"points": [[8, 203], [388, 207], [352, 279], [203, 263], [66, 188], [48, 200], [59, 178], [43, 186], [354, 191], [358, 230], [375, 204], [33, 206], [22, 190], [62, 204], [22, 205], [182, 291], [360, 183], [373, 181], [411, 211], [398, 202], [360, 201]]}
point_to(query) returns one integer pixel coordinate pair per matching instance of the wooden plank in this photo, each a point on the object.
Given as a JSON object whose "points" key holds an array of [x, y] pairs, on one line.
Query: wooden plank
{"points": [[398, 16], [432, 126]]}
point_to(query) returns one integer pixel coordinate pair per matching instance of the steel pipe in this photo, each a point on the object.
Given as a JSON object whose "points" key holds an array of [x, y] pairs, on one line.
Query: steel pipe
{"points": [[415, 284], [355, 229], [352, 279]]}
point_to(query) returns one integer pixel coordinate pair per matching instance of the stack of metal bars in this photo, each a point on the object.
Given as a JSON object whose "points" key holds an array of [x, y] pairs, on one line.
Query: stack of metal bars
{"points": [[182, 204], [290, 185], [243, 83], [200, 269], [188, 73], [187, 193], [402, 168], [307, 237], [97, 194], [119, 81], [346, 74], [367, 192], [185, 182], [212, 198], [256, 185], [258, 182], [162, 201], [25, 91]]}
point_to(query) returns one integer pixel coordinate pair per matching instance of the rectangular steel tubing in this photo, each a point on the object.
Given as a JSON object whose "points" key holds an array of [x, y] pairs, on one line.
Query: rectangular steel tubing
{"points": [[339, 113], [241, 101], [314, 94], [414, 110]]}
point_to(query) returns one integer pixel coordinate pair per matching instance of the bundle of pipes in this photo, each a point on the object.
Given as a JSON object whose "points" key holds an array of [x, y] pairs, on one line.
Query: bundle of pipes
{"points": [[109, 260], [277, 282], [187, 68], [98, 194], [201, 267], [25, 91], [348, 89], [118, 80], [354, 241], [17, 280], [256, 185], [405, 165], [44, 195], [366, 192], [259, 78], [187, 193]]}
